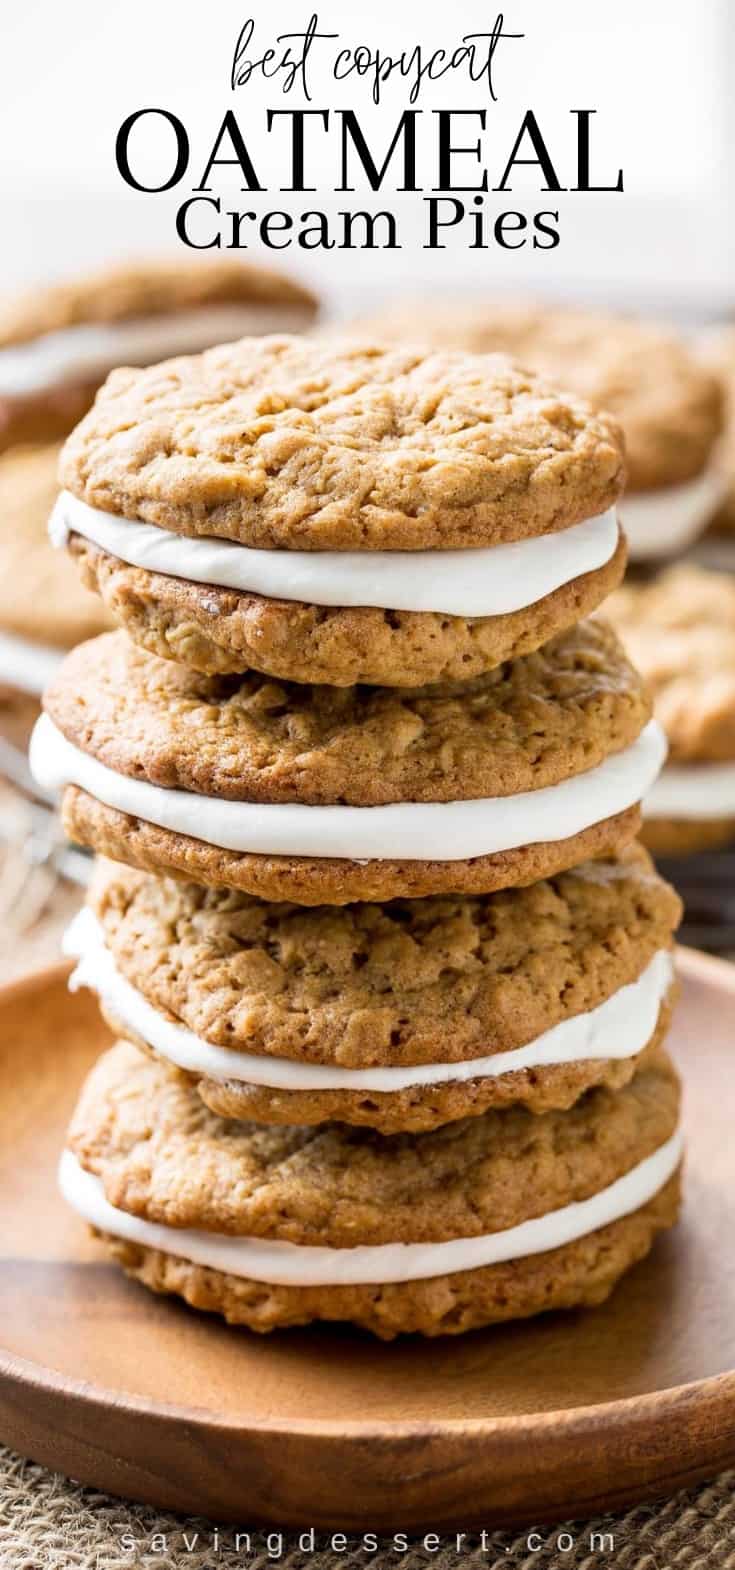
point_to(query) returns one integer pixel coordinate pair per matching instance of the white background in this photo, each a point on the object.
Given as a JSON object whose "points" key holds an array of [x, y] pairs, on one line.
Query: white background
{"points": [[657, 71]]}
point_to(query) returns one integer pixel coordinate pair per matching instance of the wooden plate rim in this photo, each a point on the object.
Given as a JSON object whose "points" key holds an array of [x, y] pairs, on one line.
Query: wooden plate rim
{"points": [[655, 1404]]}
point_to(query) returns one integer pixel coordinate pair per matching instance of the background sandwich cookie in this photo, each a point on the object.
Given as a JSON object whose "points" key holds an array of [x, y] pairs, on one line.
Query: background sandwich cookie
{"points": [[326, 795], [401, 1017], [494, 1218], [342, 514], [680, 631], [44, 609], [719, 350], [668, 402], [57, 344]]}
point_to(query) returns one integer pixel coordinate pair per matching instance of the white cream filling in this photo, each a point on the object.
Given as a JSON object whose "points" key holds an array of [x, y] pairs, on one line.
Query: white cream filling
{"points": [[405, 831], [27, 666], [618, 1028], [294, 1264], [474, 582], [662, 522], [695, 791], [90, 349]]}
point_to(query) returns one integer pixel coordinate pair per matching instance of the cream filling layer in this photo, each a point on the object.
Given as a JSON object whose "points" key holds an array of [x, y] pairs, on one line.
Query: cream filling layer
{"points": [[26, 665], [294, 1264], [404, 831], [695, 791], [475, 582], [618, 1028], [90, 349], [661, 522]]}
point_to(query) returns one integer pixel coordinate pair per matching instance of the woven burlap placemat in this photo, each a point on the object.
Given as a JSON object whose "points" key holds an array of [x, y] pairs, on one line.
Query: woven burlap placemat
{"points": [[47, 1523]]}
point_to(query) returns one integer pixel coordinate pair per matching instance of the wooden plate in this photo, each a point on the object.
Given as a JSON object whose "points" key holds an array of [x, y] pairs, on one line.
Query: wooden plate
{"points": [[565, 1415]]}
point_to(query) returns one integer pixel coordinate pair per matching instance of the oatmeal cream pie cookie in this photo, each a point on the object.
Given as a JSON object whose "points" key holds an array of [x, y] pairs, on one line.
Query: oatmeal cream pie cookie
{"points": [[667, 401], [43, 608], [400, 1017], [339, 513], [720, 353], [325, 795], [58, 343], [679, 629], [492, 1218]]}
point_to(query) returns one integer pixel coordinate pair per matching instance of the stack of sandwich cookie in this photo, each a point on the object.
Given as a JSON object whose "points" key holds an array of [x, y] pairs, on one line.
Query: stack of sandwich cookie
{"points": [[680, 631], [44, 610], [393, 978], [57, 344], [668, 401]]}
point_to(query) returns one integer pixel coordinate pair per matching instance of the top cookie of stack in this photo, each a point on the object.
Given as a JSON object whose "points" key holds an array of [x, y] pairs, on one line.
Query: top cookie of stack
{"points": [[339, 513]]}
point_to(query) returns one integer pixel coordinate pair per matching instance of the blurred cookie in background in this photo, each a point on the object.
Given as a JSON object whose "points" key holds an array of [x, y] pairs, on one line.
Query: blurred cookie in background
{"points": [[679, 630], [58, 343], [721, 355], [669, 404], [44, 609]]}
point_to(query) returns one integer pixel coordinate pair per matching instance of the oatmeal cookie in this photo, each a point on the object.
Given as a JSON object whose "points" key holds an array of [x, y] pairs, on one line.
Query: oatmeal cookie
{"points": [[442, 980], [161, 1159], [287, 443]]}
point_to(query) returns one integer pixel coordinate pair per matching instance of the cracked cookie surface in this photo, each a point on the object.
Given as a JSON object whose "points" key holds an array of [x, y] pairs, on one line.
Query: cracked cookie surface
{"points": [[319, 445]]}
